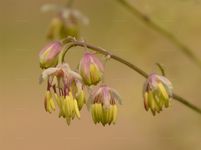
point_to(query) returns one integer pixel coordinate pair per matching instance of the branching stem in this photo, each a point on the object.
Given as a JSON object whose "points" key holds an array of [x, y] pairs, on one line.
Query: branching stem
{"points": [[73, 43]]}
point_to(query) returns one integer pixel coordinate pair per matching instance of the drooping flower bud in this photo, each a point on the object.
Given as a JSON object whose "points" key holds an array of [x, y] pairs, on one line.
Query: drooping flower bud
{"points": [[60, 28], [91, 69], [48, 56], [103, 105], [66, 23], [56, 29], [157, 93], [64, 87]]}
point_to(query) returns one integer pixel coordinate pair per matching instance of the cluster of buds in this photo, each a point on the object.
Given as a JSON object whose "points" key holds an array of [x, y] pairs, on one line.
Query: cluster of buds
{"points": [[65, 87], [157, 93], [66, 22]]}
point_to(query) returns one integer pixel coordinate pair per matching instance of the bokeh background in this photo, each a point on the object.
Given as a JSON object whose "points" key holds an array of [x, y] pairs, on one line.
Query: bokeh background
{"points": [[24, 124]]}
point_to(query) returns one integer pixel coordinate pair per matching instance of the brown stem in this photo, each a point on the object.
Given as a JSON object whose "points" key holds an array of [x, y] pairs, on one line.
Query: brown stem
{"points": [[104, 52]]}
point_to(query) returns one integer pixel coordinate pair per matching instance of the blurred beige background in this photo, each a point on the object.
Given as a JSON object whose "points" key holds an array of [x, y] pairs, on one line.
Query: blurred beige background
{"points": [[24, 124]]}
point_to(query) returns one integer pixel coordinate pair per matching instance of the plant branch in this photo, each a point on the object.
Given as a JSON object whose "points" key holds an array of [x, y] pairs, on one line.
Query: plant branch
{"points": [[150, 23], [185, 102], [74, 43]]}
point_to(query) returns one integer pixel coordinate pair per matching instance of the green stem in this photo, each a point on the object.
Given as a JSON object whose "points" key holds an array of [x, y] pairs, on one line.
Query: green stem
{"points": [[161, 68], [104, 52], [147, 21]]}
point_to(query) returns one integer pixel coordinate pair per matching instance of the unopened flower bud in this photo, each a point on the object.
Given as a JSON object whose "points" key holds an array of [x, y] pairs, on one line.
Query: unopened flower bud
{"points": [[157, 93], [103, 105], [91, 69], [56, 29], [60, 28], [49, 54]]}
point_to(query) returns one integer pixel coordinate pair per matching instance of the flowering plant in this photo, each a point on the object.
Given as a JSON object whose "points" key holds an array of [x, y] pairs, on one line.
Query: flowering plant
{"points": [[69, 89]]}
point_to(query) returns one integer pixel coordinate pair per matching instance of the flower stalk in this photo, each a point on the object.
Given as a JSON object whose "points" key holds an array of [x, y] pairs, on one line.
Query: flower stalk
{"points": [[71, 42]]}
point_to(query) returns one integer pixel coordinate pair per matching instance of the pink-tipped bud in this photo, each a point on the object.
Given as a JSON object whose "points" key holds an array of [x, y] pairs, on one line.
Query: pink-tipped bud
{"points": [[103, 105], [157, 93], [91, 69], [49, 54]]}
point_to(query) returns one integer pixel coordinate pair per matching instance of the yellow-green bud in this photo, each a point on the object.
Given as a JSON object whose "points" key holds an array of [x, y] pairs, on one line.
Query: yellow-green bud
{"points": [[91, 69], [157, 93], [103, 105], [60, 28], [48, 56]]}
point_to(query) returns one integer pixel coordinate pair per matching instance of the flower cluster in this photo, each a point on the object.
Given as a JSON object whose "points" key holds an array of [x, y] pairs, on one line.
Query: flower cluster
{"points": [[66, 89], [69, 89], [157, 93], [66, 22]]}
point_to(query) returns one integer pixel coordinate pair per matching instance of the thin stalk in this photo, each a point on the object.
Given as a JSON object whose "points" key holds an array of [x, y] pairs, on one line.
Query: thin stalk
{"points": [[173, 39], [185, 102], [104, 52], [161, 68]]}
